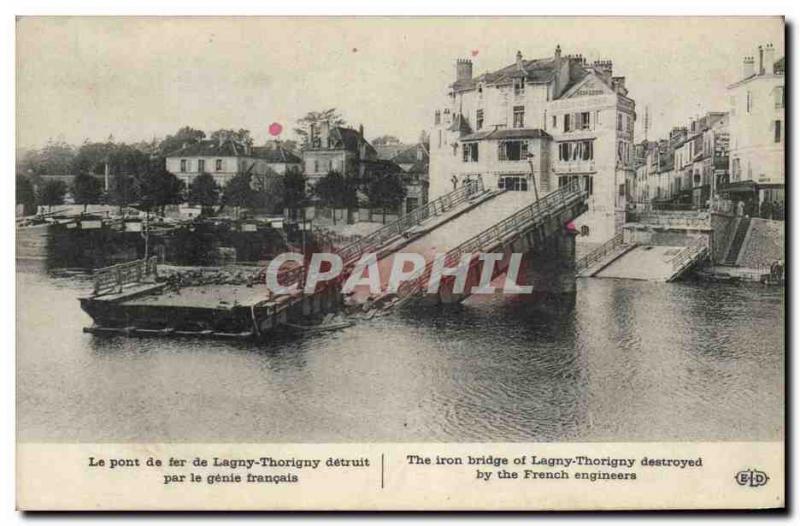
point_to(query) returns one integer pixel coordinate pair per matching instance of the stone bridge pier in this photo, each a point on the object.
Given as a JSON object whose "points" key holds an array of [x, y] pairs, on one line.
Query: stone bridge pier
{"points": [[550, 267]]}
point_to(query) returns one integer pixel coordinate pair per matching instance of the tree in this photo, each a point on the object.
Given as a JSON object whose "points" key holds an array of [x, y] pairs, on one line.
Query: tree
{"points": [[159, 188], [204, 191], [54, 159], [238, 192], [269, 192], [383, 140], [313, 119], [336, 191], [386, 190], [52, 193], [123, 191], [242, 136], [290, 145], [294, 190], [186, 135], [92, 157], [126, 159], [86, 190], [26, 196]]}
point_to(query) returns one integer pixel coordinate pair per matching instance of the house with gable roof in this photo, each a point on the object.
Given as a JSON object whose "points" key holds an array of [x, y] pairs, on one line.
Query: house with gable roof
{"points": [[550, 120]]}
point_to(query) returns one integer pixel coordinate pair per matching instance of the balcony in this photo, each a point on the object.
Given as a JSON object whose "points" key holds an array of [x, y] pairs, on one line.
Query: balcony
{"points": [[575, 167]]}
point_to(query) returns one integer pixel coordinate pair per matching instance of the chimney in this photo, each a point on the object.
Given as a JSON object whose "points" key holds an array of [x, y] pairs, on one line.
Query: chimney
{"points": [[324, 133], [760, 60], [463, 69], [519, 60], [558, 52], [604, 66], [769, 59], [748, 67], [361, 130]]}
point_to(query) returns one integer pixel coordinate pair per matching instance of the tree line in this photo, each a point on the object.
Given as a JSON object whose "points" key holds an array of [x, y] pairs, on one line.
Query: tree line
{"points": [[139, 176]]}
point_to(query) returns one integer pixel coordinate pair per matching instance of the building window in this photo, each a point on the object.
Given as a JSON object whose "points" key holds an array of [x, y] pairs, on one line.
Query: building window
{"points": [[479, 119], [749, 102], [470, 152], [583, 120], [480, 89], [619, 122], [512, 150], [437, 117], [218, 165], [201, 165], [183, 165], [519, 116], [567, 126], [519, 86], [576, 151], [555, 122], [778, 131], [587, 181], [513, 183], [779, 98], [316, 165]]}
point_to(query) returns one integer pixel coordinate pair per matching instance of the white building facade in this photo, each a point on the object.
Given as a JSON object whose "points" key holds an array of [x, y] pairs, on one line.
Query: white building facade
{"points": [[547, 121], [224, 159], [758, 131]]}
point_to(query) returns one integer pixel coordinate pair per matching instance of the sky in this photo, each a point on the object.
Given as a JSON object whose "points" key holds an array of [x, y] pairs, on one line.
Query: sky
{"points": [[82, 78]]}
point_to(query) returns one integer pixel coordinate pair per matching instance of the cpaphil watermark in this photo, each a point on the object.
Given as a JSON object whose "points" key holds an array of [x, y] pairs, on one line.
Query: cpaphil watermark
{"points": [[407, 268]]}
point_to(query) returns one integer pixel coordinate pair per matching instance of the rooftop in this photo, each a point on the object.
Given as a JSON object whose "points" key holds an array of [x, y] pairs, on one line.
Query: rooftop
{"points": [[273, 153]]}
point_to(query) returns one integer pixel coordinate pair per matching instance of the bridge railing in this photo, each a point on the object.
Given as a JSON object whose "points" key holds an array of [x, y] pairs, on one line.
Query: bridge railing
{"points": [[599, 253], [515, 224], [351, 252], [115, 277]]}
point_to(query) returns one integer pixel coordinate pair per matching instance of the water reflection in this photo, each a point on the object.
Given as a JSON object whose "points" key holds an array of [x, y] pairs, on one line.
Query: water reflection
{"points": [[627, 361]]}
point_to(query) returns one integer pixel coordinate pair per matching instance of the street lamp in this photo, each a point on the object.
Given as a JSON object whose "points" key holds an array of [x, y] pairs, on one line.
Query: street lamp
{"points": [[533, 177]]}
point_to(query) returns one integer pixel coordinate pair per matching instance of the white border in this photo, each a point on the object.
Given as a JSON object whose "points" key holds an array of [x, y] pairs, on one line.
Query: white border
{"points": [[791, 9]]}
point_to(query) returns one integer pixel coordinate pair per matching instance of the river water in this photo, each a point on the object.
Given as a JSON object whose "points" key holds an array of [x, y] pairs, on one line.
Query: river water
{"points": [[632, 361]]}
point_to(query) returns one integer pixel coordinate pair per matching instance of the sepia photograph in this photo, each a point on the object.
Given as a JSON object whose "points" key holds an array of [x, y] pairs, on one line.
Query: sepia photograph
{"points": [[409, 230]]}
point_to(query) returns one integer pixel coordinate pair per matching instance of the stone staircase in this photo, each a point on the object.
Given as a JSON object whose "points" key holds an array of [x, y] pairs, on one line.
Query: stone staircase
{"points": [[737, 241]]}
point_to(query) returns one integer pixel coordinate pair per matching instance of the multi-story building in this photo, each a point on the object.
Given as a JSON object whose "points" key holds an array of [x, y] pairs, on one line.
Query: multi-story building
{"points": [[545, 121], [757, 132], [414, 160], [225, 158], [337, 149], [700, 159]]}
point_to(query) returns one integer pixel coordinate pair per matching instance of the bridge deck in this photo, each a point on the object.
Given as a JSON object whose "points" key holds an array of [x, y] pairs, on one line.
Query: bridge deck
{"points": [[454, 232], [644, 262]]}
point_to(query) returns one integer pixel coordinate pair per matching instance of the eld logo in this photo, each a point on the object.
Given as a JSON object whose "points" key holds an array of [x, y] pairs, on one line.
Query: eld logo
{"points": [[752, 478]]}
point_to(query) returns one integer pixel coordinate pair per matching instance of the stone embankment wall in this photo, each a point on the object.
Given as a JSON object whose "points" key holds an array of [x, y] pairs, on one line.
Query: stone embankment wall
{"points": [[763, 245]]}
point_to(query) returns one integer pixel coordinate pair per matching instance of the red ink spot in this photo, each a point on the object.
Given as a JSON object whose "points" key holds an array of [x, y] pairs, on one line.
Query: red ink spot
{"points": [[475, 52], [275, 129]]}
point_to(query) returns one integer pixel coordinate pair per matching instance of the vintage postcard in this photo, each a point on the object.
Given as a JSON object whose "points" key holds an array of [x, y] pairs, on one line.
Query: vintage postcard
{"points": [[382, 263]]}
